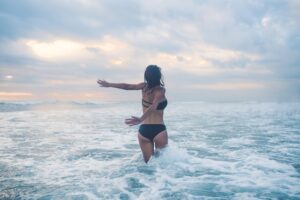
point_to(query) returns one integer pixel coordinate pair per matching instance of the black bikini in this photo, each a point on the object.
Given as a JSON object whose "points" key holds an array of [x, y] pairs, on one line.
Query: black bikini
{"points": [[151, 130], [162, 105]]}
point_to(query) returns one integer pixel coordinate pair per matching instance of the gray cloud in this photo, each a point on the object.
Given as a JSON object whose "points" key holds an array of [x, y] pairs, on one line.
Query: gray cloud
{"points": [[175, 28], [36, 19]]}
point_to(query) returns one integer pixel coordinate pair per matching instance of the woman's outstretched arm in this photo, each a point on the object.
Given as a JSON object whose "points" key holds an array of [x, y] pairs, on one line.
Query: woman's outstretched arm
{"points": [[124, 86]]}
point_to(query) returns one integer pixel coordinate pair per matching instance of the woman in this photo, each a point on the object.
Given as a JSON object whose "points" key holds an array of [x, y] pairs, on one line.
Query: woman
{"points": [[152, 131]]}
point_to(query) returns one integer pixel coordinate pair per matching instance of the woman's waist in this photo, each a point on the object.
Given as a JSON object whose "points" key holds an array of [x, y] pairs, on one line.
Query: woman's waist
{"points": [[153, 121], [149, 124]]}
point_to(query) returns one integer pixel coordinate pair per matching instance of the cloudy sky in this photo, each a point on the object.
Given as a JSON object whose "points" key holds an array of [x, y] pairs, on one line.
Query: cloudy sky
{"points": [[208, 50]]}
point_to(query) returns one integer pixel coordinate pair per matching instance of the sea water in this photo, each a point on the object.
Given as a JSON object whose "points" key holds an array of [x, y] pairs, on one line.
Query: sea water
{"points": [[76, 150]]}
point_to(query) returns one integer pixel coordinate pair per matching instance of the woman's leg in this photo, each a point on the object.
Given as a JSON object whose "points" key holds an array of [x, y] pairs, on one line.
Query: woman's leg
{"points": [[146, 147], [161, 140]]}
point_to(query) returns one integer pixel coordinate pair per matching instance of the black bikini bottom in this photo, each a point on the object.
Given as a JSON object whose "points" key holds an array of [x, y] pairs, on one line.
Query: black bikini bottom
{"points": [[151, 130]]}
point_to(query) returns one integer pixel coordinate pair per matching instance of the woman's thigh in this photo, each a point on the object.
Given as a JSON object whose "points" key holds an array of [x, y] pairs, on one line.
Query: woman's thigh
{"points": [[146, 147], [161, 140]]}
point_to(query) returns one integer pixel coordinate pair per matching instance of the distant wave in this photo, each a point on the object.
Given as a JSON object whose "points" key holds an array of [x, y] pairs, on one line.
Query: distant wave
{"points": [[15, 106], [28, 105], [87, 103]]}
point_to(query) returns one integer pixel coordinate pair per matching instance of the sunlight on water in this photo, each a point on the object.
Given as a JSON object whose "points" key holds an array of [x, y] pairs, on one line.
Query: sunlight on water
{"points": [[85, 151]]}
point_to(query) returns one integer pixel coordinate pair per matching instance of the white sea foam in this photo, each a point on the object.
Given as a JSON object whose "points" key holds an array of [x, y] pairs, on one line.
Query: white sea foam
{"points": [[85, 151]]}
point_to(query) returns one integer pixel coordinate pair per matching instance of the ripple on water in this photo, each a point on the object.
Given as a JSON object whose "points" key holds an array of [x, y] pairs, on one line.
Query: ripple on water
{"points": [[134, 185], [98, 154], [216, 151]]}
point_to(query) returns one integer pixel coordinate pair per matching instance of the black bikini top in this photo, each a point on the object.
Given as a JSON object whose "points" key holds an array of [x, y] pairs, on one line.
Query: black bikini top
{"points": [[162, 105]]}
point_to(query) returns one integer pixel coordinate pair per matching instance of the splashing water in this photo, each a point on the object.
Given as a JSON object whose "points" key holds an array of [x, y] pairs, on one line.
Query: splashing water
{"points": [[85, 151]]}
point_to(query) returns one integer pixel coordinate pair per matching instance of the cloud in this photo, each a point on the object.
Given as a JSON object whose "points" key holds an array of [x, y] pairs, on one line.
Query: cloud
{"points": [[15, 95], [55, 49], [43, 20], [265, 21], [8, 77], [47, 46], [108, 50], [230, 86]]}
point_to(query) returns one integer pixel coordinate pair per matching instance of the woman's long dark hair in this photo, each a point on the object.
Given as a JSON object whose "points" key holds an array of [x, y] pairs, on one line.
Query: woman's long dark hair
{"points": [[153, 77]]}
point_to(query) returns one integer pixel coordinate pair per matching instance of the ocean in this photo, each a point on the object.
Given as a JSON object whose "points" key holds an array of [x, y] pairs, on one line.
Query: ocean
{"points": [[84, 150]]}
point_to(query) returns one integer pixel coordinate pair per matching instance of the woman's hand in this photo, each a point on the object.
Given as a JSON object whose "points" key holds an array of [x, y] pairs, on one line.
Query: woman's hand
{"points": [[103, 83], [133, 121]]}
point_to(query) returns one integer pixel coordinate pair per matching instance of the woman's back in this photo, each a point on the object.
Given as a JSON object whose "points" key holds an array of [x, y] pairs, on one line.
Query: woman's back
{"points": [[156, 117]]}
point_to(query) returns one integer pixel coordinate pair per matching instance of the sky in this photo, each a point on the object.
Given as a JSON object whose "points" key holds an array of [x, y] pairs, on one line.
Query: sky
{"points": [[208, 50]]}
